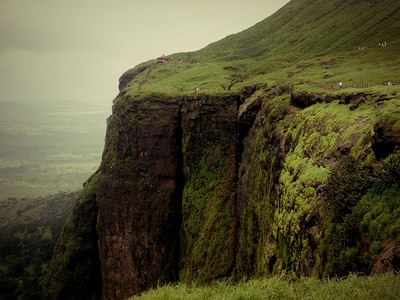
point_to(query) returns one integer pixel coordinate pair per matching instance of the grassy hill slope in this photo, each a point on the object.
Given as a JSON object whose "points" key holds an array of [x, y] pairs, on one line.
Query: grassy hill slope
{"points": [[363, 288], [309, 43]]}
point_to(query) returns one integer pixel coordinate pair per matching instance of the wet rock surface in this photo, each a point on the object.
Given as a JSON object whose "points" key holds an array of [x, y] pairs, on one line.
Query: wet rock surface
{"points": [[386, 137], [139, 197], [202, 188], [389, 259]]}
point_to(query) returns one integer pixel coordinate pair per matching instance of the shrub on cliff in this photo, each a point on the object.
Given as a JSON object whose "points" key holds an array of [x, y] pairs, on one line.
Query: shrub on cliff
{"points": [[363, 215]]}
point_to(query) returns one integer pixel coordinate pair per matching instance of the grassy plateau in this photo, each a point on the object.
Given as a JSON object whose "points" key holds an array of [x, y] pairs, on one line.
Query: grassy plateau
{"points": [[313, 44]]}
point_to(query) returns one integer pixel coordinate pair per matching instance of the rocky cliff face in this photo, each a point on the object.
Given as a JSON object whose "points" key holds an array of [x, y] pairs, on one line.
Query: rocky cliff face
{"points": [[210, 137], [139, 197], [210, 187]]}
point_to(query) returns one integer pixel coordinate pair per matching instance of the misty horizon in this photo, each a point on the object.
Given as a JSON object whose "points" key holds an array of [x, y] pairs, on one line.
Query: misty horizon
{"points": [[78, 50]]}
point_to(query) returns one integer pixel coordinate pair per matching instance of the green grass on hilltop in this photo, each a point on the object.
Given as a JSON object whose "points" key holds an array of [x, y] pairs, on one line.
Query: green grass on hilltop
{"points": [[312, 42], [364, 288]]}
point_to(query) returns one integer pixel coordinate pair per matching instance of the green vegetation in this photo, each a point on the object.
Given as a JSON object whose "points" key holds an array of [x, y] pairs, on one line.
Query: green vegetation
{"points": [[363, 212], [310, 188], [75, 262], [208, 216], [261, 164], [312, 178], [208, 219], [312, 44], [198, 190], [362, 288], [293, 157], [29, 229]]}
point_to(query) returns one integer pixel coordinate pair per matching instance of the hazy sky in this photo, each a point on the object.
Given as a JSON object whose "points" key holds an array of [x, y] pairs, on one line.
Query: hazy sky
{"points": [[77, 49]]}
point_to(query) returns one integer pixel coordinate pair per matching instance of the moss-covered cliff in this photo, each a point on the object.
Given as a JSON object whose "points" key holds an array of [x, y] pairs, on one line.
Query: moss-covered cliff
{"points": [[74, 271], [247, 158], [309, 181], [210, 187]]}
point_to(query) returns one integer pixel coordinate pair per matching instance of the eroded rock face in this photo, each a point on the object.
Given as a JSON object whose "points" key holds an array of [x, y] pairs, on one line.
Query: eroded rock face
{"points": [[389, 258], [308, 181], [74, 272], [168, 184], [209, 215], [386, 137], [210, 187], [139, 197], [260, 167]]}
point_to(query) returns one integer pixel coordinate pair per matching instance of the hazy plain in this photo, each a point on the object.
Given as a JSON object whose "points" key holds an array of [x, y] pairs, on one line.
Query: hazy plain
{"points": [[50, 147]]}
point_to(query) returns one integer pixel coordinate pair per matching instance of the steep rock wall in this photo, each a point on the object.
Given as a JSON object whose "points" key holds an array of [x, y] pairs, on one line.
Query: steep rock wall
{"points": [[74, 272], [139, 197], [210, 139], [312, 191], [209, 187], [165, 189]]}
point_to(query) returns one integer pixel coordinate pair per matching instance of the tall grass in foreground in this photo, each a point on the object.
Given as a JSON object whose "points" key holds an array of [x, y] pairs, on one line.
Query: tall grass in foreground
{"points": [[375, 287]]}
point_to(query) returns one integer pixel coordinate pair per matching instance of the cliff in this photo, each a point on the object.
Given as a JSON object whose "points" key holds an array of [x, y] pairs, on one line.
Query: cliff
{"points": [[234, 186], [211, 170]]}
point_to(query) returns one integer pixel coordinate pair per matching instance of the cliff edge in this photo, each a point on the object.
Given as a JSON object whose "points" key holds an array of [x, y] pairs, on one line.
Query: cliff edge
{"points": [[244, 160]]}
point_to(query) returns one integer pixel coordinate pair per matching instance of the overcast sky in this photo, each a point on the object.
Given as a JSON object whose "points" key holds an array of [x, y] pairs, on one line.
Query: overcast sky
{"points": [[77, 49]]}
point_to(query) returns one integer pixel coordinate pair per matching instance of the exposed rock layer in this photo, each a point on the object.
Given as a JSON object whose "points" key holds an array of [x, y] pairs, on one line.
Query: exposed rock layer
{"points": [[203, 188], [139, 197]]}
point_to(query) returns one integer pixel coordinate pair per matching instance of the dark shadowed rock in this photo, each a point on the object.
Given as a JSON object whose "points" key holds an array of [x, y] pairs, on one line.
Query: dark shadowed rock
{"points": [[209, 214], [139, 197], [304, 99], [74, 272], [386, 137], [211, 187], [389, 259]]}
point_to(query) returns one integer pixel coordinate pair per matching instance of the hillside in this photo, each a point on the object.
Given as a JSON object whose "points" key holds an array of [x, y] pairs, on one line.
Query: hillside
{"points": [[309, 43], [246, 159], [29, 229]]}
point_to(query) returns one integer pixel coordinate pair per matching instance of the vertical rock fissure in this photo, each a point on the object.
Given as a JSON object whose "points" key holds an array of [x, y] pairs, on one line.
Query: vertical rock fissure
{"points": [[140, 197], [247, 111], [236, 210], [180, 184]]}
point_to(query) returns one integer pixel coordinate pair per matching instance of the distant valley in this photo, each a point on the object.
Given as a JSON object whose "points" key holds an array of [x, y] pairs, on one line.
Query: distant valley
{"points": [[49, 147]]}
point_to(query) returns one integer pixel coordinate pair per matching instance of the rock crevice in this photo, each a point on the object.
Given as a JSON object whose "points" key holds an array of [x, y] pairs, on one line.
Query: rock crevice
{"points": [[209, 187]]}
